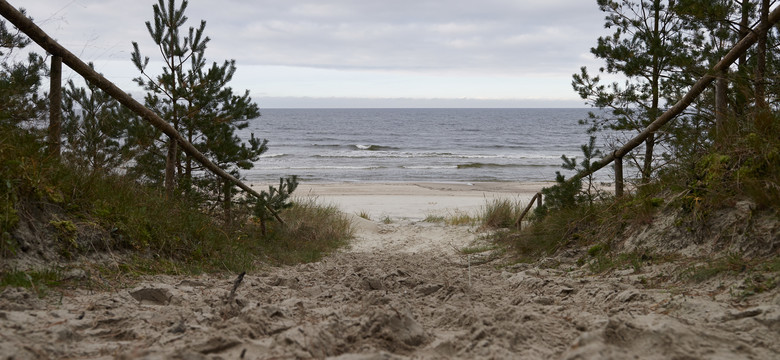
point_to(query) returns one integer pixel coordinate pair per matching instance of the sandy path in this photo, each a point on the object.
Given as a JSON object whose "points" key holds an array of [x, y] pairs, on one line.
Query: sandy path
{"points": [[401, 291]]}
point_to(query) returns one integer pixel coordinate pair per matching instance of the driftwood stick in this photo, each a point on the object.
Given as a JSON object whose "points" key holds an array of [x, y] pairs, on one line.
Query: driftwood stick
{"points": [[236, 284]]}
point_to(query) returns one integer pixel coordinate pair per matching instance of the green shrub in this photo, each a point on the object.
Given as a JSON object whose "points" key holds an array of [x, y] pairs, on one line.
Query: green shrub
{"points": [[158, 234]]}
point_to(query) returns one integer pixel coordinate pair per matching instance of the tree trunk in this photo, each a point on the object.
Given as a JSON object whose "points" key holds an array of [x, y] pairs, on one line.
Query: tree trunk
{"points": [[171, 161], [170, 168], [742, 93], [618, 177], [187, 157], [55, 106], [721, 103], [744, 28], [188, 164], [647, 168], [653, 112], [761, 60], [227, 202], [263, 229]]}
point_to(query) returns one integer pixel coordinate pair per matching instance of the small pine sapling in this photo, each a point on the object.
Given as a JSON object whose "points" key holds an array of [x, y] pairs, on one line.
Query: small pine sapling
{"points": [[567, 193], [274, 200]]}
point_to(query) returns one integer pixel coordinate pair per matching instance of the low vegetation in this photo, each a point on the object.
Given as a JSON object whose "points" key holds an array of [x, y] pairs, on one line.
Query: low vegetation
{"points": [[78, 214], [698, 193], [710, 178], [454, 218], [500, 213], [113, 185]]}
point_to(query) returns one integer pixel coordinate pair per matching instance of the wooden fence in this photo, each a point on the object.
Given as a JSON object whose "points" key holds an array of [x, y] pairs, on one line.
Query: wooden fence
{"points": [[617, 156], [58, 52]]}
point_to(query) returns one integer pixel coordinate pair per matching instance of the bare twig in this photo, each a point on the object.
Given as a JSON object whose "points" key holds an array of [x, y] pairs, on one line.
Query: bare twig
{"points": [[236, 284]]}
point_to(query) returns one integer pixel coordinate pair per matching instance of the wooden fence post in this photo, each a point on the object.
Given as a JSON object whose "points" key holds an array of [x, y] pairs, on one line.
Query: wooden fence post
{"points": [[55, 106], [536, 199], [618, 177]]}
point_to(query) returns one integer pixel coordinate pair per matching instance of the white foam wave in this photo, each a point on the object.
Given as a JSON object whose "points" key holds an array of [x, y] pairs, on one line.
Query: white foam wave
{"points": [[406, 155]]}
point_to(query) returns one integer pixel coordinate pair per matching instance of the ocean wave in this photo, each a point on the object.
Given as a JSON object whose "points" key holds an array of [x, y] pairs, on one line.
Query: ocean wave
{"points": [[271, 156], [368, 155], [477, 165], [373, 147], [325, 167], [326, 145], [428, 167], [486, 165], [508, 156], [406, 154]]}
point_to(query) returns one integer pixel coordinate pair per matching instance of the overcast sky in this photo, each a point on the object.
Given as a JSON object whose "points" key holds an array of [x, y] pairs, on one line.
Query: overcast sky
{"points": [[356, 53]]}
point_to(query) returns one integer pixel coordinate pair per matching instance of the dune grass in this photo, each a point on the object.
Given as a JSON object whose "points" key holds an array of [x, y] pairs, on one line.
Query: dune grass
{"points": [[311, 231], [500, 213], [38, 281], [85, 212]]}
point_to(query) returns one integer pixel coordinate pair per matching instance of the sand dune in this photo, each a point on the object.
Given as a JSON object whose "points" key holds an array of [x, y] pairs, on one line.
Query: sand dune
{"points": [[402, 290]]}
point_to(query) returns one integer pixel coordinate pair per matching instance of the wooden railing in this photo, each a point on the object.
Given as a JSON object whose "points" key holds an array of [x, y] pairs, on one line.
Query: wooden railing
{"points": [[59, 52], [37, 35], [617, 156], [536, 199]]}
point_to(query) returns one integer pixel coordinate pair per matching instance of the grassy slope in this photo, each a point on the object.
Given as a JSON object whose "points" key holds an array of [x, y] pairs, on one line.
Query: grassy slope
{"points": [[74, 214], [727, 198]]}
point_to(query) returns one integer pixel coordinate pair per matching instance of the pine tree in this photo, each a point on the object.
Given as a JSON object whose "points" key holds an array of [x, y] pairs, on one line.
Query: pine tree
{"points": [[274, 200], [20, 81], [196, 99], [95, 126], [646, 49], [165, 91], [213, 115], [718, 25]]}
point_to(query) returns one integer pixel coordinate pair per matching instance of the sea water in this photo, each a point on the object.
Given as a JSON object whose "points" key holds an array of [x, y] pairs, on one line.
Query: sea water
{"points": [[396, 145]]}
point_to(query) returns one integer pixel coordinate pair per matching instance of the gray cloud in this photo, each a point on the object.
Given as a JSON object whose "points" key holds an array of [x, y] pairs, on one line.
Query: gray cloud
{"points": [[345, 102], [418, 52], [487, 36], [473, 36]]}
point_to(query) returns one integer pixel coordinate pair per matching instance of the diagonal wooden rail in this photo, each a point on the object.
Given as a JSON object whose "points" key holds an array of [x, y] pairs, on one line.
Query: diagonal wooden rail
{"points": [[36, 34], [741, 47], [738, 49], [536, 199]]}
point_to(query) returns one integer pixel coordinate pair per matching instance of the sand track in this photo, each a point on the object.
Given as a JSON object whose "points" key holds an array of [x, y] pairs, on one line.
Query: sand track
{"points": [[401, 291]]}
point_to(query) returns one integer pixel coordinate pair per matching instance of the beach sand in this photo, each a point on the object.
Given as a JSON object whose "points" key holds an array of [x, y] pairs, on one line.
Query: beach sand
{"points": [[403, 289], [417, 200]]}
